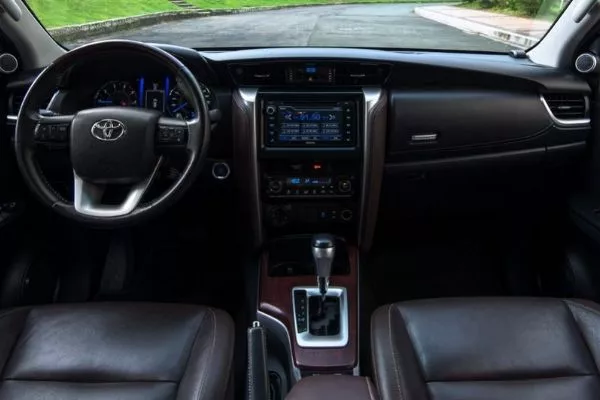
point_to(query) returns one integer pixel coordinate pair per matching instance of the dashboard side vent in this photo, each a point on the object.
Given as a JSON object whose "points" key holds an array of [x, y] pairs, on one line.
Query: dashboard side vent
{"points": [[567, 106]]}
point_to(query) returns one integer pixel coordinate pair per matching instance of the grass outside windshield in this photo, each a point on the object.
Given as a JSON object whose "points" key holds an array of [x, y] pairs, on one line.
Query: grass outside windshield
{"points": [[420, 24]]}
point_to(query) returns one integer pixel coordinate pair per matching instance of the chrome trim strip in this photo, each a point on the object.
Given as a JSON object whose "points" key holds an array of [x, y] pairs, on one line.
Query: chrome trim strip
{"points": [[371, 97], [279, 330], [87, 196], [568, 122], [426, 137], [248, 95], [11, 118], [306, 339], [356, 370]]}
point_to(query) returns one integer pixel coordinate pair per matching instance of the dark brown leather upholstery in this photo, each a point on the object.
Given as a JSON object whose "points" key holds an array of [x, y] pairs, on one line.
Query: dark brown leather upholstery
{"points": [[115, 351], [488, 348], [329, 387]]}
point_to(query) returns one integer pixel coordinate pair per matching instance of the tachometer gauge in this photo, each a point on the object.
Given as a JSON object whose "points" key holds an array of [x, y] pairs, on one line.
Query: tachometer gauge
{"points": [[179, 107], [116, 93]]}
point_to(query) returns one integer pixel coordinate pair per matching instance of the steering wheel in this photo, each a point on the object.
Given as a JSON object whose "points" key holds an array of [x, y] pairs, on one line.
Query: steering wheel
{"points": [[111, 146]]}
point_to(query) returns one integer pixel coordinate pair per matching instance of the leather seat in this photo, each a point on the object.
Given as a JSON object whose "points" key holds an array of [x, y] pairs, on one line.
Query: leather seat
{"points": [[115, 351], [488, 348]]}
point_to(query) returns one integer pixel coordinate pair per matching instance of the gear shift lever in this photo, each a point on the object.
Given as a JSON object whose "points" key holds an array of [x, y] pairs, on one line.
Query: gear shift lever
{"points": [[323, 250]]}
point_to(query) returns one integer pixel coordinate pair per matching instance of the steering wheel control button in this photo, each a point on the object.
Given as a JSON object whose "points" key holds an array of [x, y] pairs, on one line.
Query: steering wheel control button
{"points": [[221, 171], [51, 133], [172, 136]]}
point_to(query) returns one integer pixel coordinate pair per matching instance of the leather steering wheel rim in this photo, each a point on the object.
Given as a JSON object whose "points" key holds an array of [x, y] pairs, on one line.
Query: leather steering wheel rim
{"points": [[196, 146]]}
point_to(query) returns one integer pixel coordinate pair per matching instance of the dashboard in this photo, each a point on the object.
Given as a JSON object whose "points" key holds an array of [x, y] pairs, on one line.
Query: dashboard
{"points": [[343, 137], [162, 94]]}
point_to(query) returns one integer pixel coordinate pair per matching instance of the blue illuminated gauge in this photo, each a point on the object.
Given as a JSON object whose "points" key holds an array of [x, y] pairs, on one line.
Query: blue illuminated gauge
{"points": [[116, 93], [179, 106]]}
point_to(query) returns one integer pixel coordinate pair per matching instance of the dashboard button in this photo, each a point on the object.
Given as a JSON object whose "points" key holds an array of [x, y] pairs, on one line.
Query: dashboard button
{"points": [[221, 171], [345, 186], [347, 215]]}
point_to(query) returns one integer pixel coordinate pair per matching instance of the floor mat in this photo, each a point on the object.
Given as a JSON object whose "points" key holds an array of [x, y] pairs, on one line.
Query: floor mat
{"points": [[491, 257], [451, 269]]}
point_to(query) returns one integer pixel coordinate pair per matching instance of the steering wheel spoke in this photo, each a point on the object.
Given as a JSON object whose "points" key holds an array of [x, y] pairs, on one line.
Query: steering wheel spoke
{"points": [[52, 130], [87, 196]]}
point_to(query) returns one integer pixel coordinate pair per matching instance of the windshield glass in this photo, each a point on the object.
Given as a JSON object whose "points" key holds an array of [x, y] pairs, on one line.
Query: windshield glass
{"points": [[473, 25]]}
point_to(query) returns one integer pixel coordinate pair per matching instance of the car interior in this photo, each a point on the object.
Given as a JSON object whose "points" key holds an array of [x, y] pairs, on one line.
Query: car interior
{"points": [[304, 222]]}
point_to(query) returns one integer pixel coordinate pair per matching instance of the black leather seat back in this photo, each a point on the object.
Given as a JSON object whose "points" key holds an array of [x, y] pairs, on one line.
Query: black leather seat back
{"points": [[493, 349], [115, 351]]}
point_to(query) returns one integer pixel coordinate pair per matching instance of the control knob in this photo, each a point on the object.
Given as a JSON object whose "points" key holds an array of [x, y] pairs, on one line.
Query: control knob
{"points": [[344, 186], [346, 215], [275, 187], [271, 110]]}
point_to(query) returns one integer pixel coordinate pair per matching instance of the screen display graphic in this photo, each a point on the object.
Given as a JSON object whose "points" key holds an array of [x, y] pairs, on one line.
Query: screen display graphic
{"points": [[310, 125]]}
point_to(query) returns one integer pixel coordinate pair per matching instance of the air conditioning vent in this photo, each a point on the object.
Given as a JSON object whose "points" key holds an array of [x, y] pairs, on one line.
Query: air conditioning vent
{"points": [[567, 106], [361, 74]]}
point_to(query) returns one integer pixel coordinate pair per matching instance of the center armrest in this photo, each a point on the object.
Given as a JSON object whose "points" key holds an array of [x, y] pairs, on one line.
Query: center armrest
{"points": [[327, 387]]}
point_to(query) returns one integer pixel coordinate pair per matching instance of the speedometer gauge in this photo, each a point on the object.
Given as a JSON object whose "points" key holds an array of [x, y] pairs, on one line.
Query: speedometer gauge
{"points": [[179, 106], [116, 93]]}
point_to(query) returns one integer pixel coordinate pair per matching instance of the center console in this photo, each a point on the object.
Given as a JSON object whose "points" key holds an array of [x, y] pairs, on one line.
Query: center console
{"points": [[310, 168], [310, 160]]}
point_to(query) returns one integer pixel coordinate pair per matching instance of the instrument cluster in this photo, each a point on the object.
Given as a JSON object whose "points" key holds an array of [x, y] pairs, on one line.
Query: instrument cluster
{"points": [[161, 94]]}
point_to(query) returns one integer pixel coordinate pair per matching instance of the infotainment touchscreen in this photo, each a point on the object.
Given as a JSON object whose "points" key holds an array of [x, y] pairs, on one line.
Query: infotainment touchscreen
{"points": [[299, 125]]}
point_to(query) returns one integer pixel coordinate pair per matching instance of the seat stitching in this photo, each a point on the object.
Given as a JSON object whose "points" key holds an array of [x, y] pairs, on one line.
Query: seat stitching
{"points": [[395, 362], [87, 382], [212, 347], [512, 379], [587, 346], [371, 395], [374, 363], [573, 303], [192, 348]]}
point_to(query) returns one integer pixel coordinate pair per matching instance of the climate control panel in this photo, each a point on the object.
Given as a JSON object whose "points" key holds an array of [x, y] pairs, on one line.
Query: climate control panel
{"points": [[297, 186]]}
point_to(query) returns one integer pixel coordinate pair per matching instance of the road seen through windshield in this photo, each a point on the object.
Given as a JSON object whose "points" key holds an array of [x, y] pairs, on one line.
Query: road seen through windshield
{"points": [[372, 25]]}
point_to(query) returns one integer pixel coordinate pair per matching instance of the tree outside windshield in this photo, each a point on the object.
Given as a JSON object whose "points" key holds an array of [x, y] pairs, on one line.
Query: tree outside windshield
{"points": [[471, 25]]}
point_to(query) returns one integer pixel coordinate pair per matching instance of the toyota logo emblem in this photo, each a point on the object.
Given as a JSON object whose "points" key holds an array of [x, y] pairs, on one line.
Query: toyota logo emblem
{"points": [[108, 130]]}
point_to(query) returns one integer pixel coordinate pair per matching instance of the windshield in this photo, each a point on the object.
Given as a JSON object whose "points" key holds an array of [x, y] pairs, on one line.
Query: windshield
{"points": [[473, 25]]}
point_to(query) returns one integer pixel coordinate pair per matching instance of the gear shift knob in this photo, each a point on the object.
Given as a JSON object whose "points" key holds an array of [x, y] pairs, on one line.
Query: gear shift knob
{"points": [[323, 250]]}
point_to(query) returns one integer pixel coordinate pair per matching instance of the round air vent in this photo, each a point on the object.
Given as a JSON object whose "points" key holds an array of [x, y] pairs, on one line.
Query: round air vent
{"points": [[8, 63], [586, 63]]}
